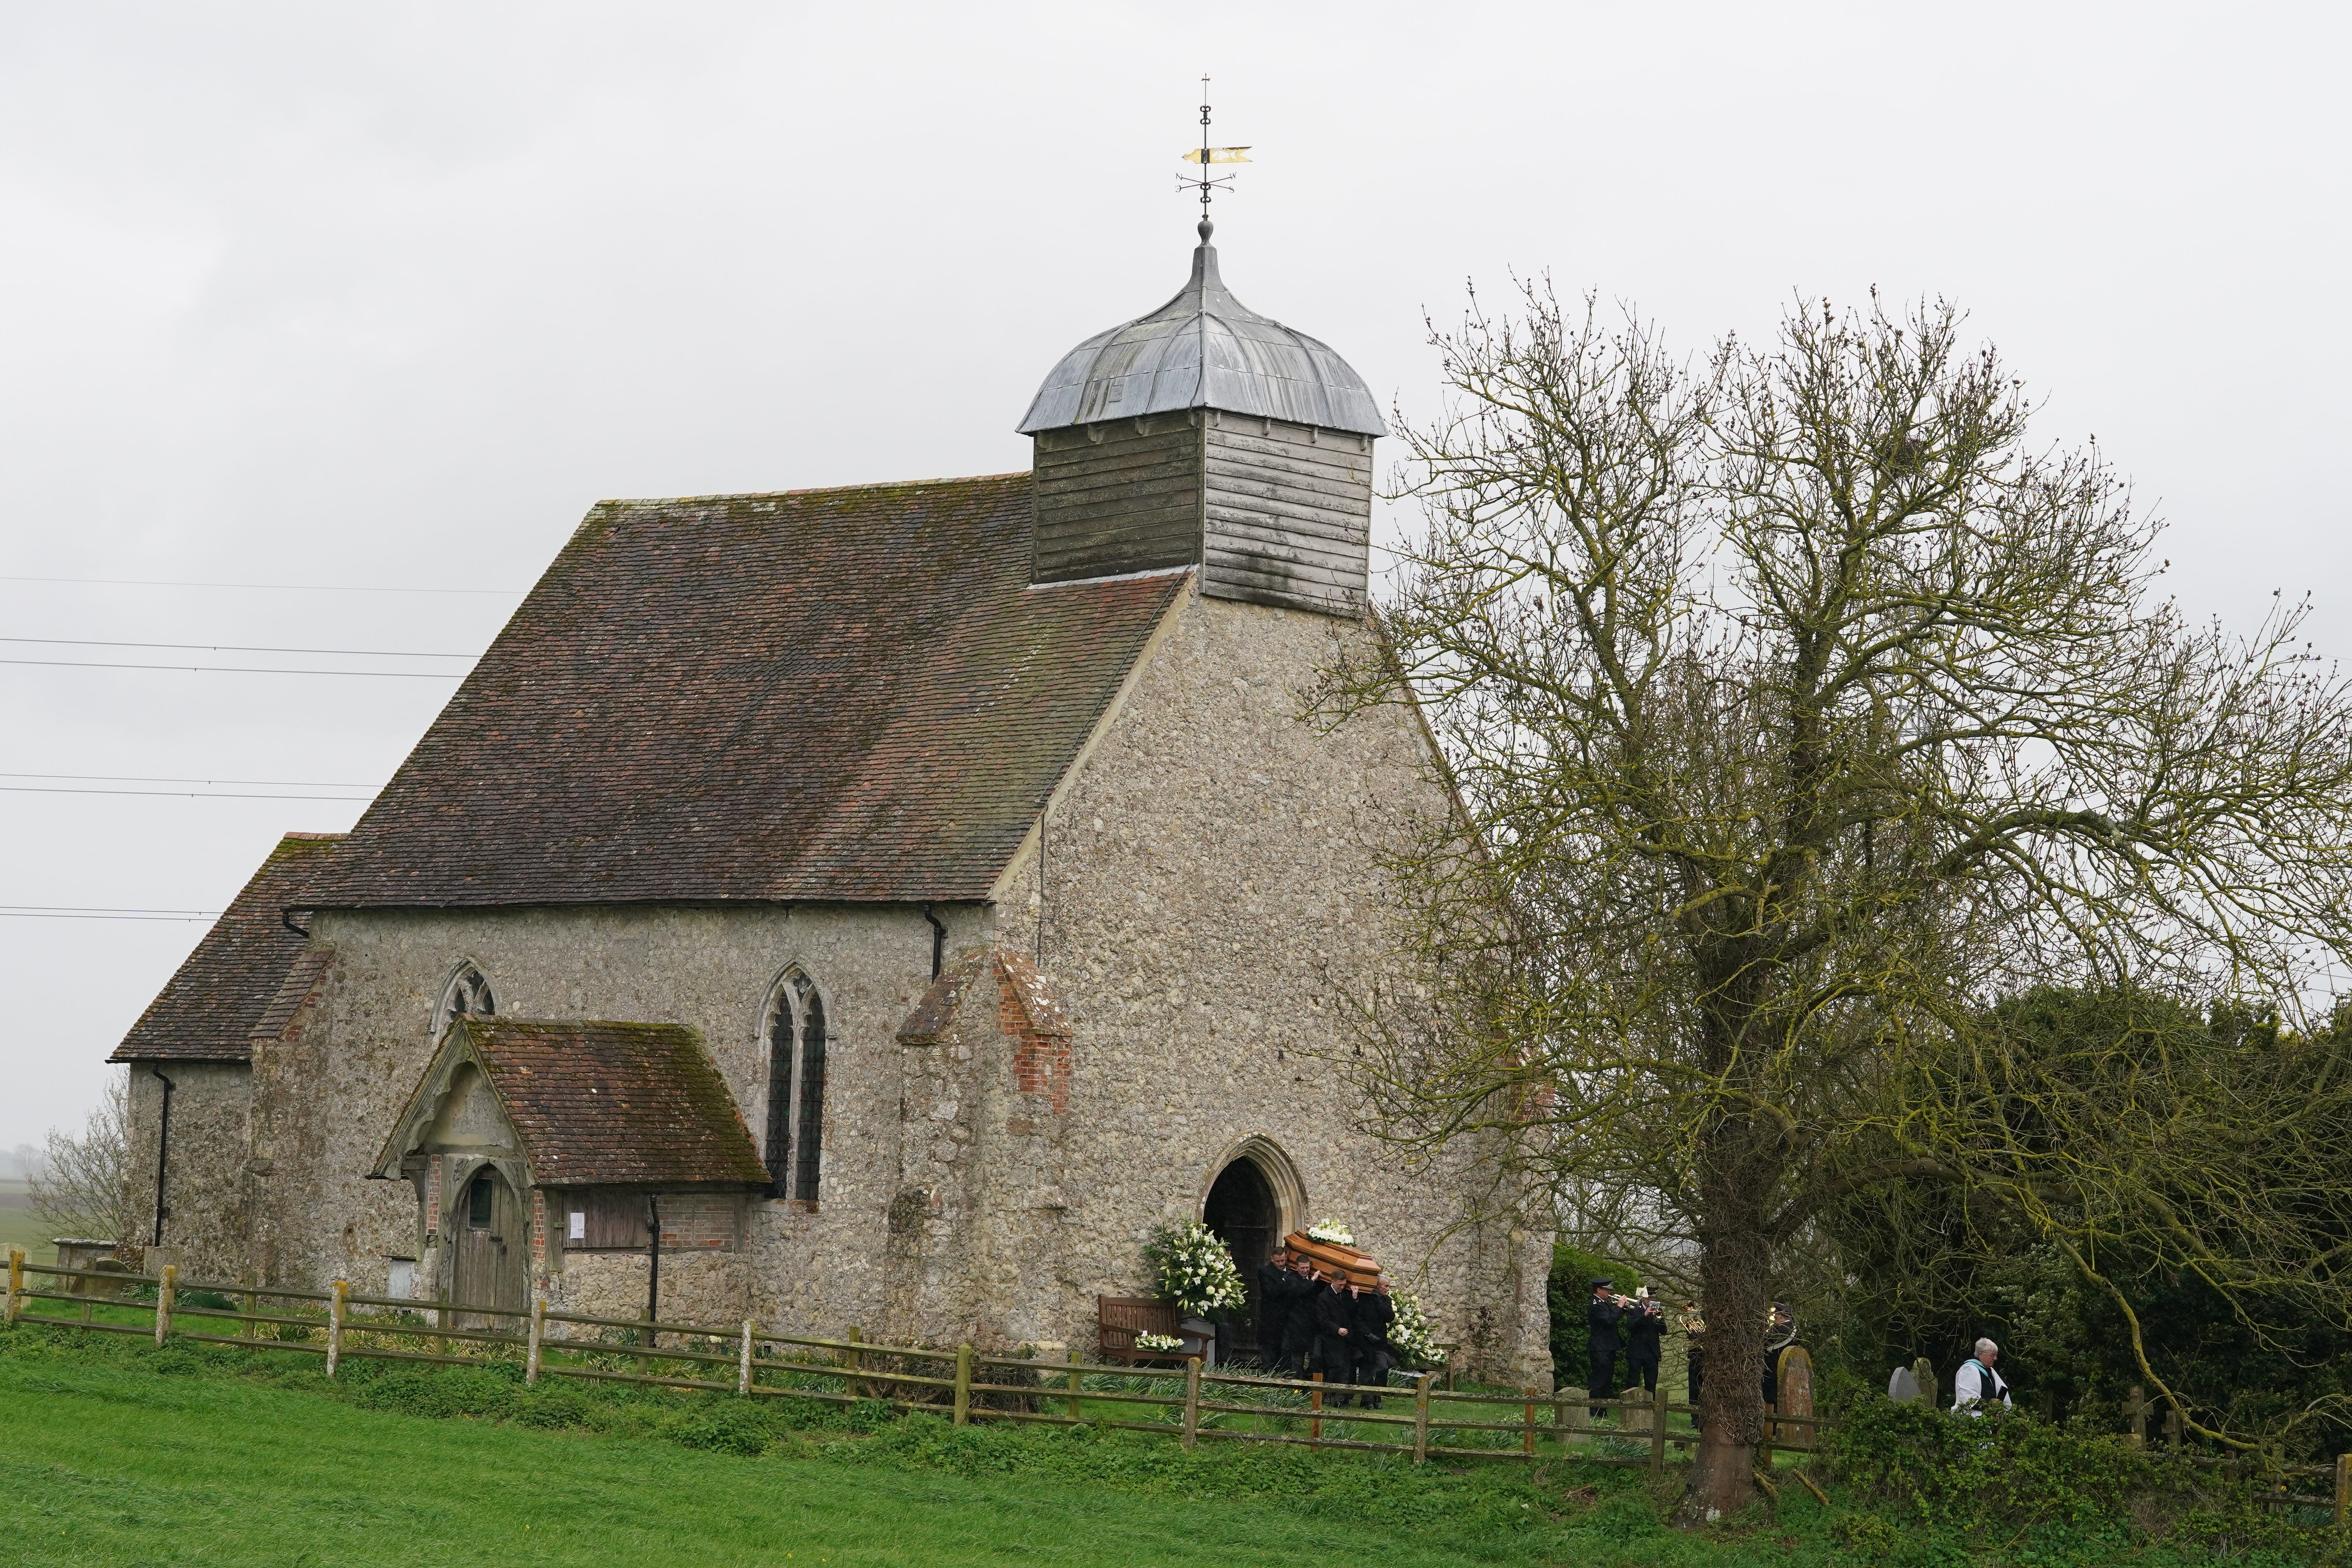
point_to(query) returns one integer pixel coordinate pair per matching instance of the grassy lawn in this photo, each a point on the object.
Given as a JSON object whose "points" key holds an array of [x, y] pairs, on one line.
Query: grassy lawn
{"points": [[118, 1456], [16, 1226]]}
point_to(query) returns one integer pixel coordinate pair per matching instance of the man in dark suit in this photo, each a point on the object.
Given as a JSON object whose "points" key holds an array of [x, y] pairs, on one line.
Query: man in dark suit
{"points": [[1280, 1294], [1645, 1326], [1374, 1354], [1335, 1321], [1601, 1316]]}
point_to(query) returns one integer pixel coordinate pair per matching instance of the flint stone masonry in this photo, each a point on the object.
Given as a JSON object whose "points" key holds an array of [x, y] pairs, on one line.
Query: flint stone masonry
{"points": [[1210, 894], [1013, 769], [205, 1195]]}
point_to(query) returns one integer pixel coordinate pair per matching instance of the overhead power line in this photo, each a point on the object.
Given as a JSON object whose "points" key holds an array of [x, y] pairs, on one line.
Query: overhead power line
{"points": [[283, 587], [139, 778], [100, 908], [98, 915], [236, 670], [175, 794], [238, 647]]}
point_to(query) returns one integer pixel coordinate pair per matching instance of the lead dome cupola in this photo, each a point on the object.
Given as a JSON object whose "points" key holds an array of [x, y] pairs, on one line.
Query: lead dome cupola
{"points": [[1205, 349]]}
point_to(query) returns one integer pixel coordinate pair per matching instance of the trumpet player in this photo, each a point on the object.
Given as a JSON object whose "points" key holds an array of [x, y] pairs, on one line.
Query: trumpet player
{"points": [[1601, 1316]]}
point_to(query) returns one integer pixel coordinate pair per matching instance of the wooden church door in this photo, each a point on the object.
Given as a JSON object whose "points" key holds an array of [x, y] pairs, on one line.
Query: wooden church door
{"points": [[491, 1267]]}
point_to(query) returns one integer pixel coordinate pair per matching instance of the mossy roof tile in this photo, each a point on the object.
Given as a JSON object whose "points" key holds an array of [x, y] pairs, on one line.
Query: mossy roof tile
{"points": [[210, 1006], [840, 694], [600, 1104]]}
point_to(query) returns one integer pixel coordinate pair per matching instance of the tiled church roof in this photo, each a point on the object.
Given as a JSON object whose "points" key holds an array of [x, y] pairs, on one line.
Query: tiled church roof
{"points": [[209, 1008], [842, 694], [601, 1104]]}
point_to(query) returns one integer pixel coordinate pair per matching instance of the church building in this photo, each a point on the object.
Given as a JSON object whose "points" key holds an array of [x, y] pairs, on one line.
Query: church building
{"points": [[875, 906]]}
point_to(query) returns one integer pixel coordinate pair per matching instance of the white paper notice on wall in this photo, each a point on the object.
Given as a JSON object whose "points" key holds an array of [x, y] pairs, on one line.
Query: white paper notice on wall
{"points": [[401, 1282], [578, 1227]]}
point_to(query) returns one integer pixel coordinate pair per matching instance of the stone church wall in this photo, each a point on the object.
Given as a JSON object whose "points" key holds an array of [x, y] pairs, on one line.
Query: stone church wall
{"points": [[696, 1288], [204, 1168], [712, 970], [1210, 892], [1206, 892]]}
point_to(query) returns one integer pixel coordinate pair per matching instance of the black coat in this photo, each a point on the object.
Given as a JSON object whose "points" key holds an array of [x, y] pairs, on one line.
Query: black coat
{"points": [[1374, 1314], [1332, 1311], [1278, 1301], [1645, 1327], [1601, 1316]]}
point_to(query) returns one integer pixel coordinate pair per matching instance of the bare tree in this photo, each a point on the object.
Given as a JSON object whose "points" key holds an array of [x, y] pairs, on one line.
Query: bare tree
{"points": [[84, 1186], [1797, 708]]}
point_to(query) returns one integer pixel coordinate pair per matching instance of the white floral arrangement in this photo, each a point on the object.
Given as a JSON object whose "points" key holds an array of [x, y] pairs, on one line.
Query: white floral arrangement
{"points": [[1148, 1341], [1195, 1271], [1332, 1231], [1413, 1332]]}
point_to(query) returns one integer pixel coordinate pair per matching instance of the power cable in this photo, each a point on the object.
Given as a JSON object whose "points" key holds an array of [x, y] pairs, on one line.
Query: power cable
{"points": [[236, 670], [238, 648], [102, 908], [287, 587], [175, 794], [138, 778], [26, 915]]}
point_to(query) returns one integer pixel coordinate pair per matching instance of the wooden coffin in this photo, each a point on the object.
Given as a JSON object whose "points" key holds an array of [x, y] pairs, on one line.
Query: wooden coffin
{"points": [[1329, 1258]]}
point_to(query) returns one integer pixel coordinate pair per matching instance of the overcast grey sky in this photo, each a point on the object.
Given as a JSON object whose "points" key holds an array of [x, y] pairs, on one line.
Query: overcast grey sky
{"points": [[386, 296]]}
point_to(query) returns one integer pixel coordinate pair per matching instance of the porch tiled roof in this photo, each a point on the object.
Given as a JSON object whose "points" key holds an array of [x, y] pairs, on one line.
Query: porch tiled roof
{"points": [[599, 1104]]}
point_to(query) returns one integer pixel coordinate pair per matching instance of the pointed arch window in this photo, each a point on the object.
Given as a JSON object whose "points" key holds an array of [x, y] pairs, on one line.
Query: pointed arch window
{"points": [[467, 994], [797, 1051]]}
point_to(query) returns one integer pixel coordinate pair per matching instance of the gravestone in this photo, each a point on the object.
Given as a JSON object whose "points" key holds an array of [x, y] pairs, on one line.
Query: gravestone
{"points": [[1796, 1369], [1903, 1387]]}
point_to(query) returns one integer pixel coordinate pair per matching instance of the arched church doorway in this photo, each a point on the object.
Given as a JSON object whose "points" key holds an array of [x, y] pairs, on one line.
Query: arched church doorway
{"points": [[1254, 1199], [491, 1252]]}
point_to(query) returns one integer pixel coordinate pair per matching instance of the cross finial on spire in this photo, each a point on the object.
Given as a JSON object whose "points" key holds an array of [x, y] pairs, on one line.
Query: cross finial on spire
{"points": [[1203, 155]]}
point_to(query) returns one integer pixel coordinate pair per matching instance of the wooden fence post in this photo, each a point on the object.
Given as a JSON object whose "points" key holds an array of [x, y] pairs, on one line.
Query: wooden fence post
{"points": [[964, 1385], [1658, 1434], [1192, 1400], [15, 1283], [2135, 1407], [538, 1338], [164, 1300], [857, 1359], [2343, 1489], [247, 1328], [1078, 1386], [1527, 1425], [743, 1364], [1420, 1416], [1315, 1414], [335, 1310]]}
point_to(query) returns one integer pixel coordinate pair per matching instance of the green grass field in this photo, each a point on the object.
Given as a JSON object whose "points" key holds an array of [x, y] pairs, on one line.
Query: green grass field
{"points": [[16, 1226], [114, 1453]]}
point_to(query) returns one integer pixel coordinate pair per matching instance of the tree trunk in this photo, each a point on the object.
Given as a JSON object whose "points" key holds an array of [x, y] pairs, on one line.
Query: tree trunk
{"points": [[1735, 1274]]}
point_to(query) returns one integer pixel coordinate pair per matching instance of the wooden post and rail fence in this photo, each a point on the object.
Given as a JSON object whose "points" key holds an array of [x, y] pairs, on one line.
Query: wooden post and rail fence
{"points": [[1187, 1402]]}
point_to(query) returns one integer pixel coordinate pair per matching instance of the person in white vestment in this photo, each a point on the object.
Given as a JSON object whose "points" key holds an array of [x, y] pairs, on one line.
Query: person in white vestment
{"points": [[1977, 1382]]}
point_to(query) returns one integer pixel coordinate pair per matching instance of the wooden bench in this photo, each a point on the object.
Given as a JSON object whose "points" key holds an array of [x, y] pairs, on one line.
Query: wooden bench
{"points": [[1118, 1319]]}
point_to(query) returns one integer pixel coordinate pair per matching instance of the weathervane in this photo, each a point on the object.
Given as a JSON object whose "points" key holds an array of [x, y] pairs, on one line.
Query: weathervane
{"points": [[1202, 156]]}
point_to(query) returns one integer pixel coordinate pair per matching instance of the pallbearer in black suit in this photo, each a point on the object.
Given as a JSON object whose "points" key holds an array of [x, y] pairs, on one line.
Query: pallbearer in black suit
{"points": [[1374, 1354], [1281, 1294], [1335, 1323]]}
